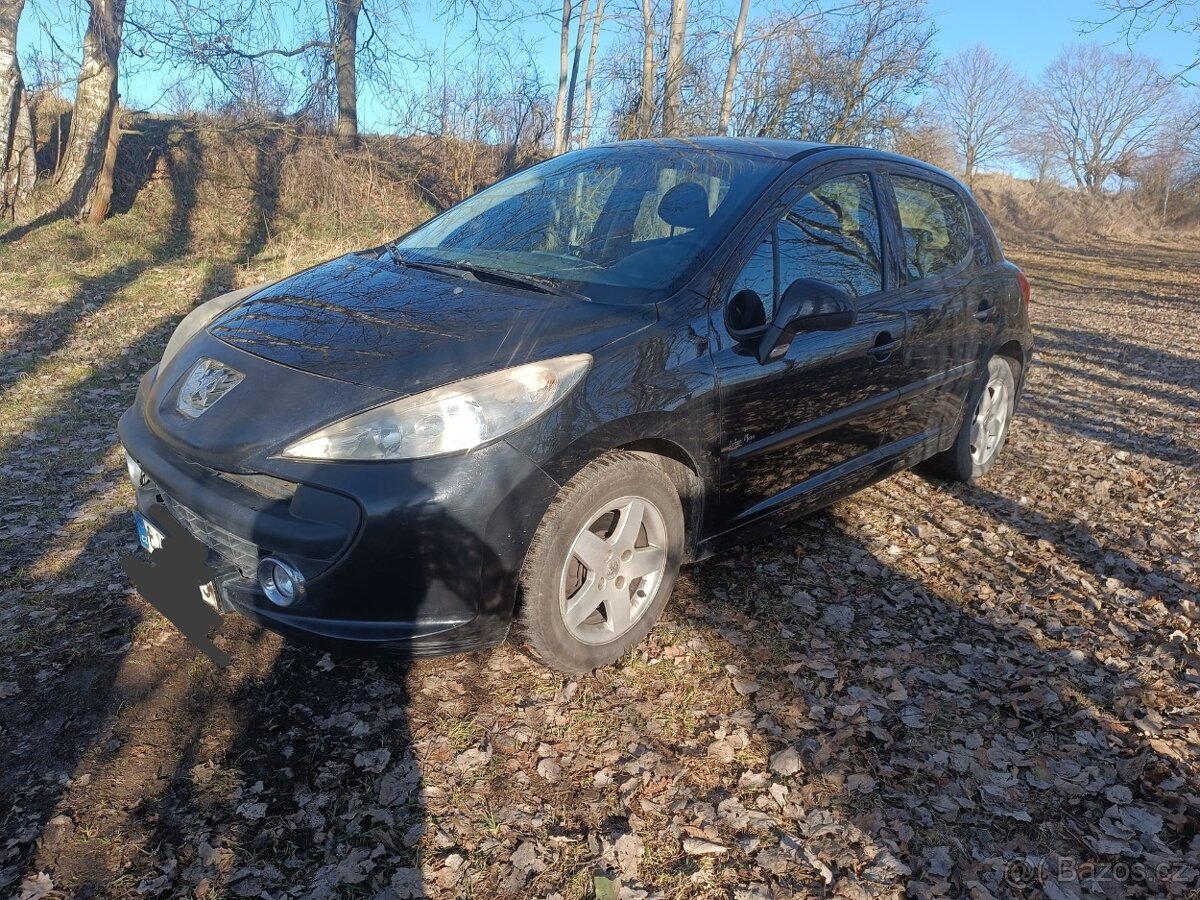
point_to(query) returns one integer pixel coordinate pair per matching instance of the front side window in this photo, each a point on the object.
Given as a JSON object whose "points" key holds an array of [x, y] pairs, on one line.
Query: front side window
{"points": [[614, 223], [935, 225], [832, 235], [755, 289]]}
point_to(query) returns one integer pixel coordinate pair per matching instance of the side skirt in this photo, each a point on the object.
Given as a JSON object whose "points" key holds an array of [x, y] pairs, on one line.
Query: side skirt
{"points": [[822, 490]]}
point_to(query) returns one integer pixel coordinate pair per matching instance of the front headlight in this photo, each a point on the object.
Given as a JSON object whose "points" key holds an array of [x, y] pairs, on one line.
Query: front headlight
{"points": [[449, 419]]}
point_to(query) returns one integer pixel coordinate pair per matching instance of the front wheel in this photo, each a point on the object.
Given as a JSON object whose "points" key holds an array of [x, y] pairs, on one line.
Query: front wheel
{"points": [[985, 425], [603, 564]]}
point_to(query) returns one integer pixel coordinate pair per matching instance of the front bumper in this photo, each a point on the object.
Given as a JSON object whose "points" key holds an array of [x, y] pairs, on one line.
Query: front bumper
{"points": [[419, 557]]}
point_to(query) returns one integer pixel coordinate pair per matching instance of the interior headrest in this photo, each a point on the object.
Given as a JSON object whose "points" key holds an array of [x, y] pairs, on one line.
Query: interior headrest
{"points": [[684, 206]]}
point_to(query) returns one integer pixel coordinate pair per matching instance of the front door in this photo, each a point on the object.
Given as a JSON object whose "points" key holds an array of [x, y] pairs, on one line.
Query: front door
{"points": [[809, 420]]}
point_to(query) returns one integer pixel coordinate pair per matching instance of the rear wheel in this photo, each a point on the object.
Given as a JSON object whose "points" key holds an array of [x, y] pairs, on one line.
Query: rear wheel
{"points": [[602, 564], [985, 426]]}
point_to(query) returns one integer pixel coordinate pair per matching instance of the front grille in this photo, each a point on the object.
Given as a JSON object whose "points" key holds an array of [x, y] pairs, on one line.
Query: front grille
{"points": [[228, 546]]}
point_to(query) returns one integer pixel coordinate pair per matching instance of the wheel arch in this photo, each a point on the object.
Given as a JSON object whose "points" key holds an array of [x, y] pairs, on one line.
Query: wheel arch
{"points": [[681, 468], [1016, 351]]}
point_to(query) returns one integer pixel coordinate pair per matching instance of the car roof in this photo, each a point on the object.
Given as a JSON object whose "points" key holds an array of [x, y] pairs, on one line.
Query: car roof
{"points": [[772, 148], [782, 149]]}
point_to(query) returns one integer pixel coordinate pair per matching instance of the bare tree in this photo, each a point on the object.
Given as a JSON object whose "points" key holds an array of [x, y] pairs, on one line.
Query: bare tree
{"points": [[345, 65], [312, 54], [1160, 171], [673, 80], [1140, 16], [645, 105], [18, 166], [586, 127], [1100, 107], [735, 53], [889, 53], [925, 136], [846, 75], [86, 172], [560, 104], [1036, 148], [579, 35], [481, 117], [983, 101]]}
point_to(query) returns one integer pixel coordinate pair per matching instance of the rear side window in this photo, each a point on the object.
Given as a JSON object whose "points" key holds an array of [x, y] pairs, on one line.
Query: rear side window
{"points": [[935, 224]]}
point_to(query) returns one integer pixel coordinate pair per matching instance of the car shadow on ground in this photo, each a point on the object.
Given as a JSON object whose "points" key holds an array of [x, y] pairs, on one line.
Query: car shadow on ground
{"points": [[946, 743], [66, 621], [1138, 399], [288, 768]]}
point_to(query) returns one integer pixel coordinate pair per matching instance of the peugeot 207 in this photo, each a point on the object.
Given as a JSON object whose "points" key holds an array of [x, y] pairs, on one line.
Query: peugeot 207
{"points": [[535, 407]]}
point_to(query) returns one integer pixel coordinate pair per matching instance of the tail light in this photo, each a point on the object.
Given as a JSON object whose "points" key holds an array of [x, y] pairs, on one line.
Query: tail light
{"points": [[1024, 283]]}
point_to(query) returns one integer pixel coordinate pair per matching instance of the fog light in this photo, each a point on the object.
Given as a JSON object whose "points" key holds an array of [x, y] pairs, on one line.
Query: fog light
{"points": [[281, 582]]}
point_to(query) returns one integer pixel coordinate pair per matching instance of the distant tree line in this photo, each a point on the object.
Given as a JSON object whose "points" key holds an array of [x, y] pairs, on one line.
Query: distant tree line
{"points": [[845, 71]]}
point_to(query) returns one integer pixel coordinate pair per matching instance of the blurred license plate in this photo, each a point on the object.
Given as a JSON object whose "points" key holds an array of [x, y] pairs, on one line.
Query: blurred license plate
{"points": [[151, 539], [149, 536]]}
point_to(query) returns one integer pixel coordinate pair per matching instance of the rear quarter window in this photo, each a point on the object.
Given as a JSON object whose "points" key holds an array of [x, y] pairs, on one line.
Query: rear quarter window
{"points": [[935, 225]]}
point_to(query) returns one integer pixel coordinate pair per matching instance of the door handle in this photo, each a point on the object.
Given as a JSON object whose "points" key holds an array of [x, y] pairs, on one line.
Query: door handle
{"points": [[987, 307], [885, 345]]}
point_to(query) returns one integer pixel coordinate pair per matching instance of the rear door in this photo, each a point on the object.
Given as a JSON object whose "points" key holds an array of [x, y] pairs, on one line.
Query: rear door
{"points": [[948, 290], [813, 417]]}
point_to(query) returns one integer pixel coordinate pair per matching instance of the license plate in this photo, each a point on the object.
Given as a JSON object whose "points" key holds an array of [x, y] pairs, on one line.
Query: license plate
{"points": [[149, 536], [151, 539]]}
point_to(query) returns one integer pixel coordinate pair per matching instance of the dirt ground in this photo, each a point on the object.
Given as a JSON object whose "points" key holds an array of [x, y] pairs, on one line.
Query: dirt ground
{"points": [[932, 690]]}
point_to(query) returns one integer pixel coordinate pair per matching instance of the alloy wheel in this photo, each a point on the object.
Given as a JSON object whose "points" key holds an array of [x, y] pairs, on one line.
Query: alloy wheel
{"points": [[992, 415], [613, 570]]}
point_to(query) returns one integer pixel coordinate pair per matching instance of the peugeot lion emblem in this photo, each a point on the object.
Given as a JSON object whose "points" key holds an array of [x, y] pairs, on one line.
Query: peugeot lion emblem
{"points": [[207, 383]]}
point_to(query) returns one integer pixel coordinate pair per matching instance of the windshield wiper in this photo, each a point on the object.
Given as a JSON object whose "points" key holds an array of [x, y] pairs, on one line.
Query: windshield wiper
{"points": [[402, 260], [482, 273], [475, 273]]}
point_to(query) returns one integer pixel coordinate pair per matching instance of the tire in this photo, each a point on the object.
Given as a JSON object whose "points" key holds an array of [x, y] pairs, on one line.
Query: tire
{"points": [[966, 458], [559, 586]]}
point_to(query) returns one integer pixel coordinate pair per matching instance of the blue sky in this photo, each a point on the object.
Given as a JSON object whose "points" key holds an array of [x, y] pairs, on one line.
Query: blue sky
{"points": [[1026, 33], [1029, 33]]}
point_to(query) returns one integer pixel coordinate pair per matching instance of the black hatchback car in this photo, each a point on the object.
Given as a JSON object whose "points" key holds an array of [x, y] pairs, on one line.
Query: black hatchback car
{"points": [[537, 405]]}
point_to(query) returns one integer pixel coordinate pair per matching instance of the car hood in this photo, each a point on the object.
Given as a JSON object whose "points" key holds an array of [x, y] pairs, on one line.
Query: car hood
{"points": [[376, 323]]}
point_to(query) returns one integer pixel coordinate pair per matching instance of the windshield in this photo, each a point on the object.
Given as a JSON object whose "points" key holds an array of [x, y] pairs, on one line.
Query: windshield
{"points": [[624, 223]]}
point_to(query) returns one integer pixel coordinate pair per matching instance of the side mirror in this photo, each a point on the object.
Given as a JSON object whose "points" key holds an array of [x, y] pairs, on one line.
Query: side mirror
{"points": [[807, 305], [745, 316]]}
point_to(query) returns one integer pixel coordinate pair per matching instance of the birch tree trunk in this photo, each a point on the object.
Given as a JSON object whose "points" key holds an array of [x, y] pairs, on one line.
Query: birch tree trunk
{"points": [[345, 50], [735, 54], [102, 200], [561, 102], [673, 82], [579, 33], [586, 128], [83, 166], [18, 167], [645, 110]]}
